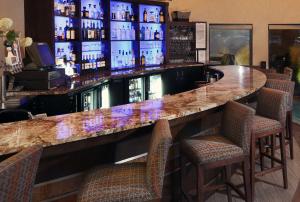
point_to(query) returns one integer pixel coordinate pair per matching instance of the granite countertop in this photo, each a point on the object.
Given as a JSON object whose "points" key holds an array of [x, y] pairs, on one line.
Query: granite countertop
{"points": [[237, 83], [93, 79]]}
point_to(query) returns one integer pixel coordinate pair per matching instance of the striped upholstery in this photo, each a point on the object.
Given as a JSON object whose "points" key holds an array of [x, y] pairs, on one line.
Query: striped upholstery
{"points": [[272, 104], [233, 141], [286, 86], [17, 175], [278, 76], [132, 181], [288, 71]]}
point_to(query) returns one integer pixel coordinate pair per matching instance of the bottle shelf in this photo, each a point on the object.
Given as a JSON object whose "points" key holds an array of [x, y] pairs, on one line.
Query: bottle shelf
{"points": [[150, 40], [115, 40], [124, 21], [66, 16], [95, 19], [67, 41], [157, 23]]}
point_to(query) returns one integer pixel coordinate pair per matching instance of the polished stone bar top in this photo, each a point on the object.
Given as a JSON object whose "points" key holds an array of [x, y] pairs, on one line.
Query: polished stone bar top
{"points": [[91, 80], [237, 83]]}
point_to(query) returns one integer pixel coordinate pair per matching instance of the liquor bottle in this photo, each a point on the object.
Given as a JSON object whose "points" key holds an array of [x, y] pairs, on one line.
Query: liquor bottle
{"points": [[142, 33], [120, 63], [128, 33], [123, 33], [83, 62], [94, 62], [156, 35], [157, 58], [83, 31], [73, 55], [85, 12], [132, 33], [151, 34], [67, 31], [127, 14], [145, 16], [72, 32], [157, 15], [90, 11], [118, 13], [98, 32], [61, 34], [94, 12], [123, 12], [101, 12], [62, 8], [98, 62], [113, 12], [161, 16], [119, 33], [102, 61], [72, 8], [89, 32], [66, 9], [56, 34], [143, 59], [132, 58], [147, 34], [102, 32], [132, 17]]}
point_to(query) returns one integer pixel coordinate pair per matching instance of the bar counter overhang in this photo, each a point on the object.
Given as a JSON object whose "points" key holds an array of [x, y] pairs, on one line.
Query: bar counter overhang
{"points": [[53, 132]]}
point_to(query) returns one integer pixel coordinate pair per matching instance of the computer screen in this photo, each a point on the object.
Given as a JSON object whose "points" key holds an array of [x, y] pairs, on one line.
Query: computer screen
{"points": [[41, 55]]}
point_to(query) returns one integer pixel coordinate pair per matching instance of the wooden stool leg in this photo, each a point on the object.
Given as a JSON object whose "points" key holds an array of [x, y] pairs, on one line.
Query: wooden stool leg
{"points": [[290, 131], [261, 156], [273, 149], [252, 167], [200, 184], [182, 175], [246, 176], [283, 160], [228, 177]]}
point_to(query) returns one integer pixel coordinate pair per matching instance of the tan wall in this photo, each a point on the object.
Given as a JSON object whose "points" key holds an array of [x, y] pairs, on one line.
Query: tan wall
{"points": [[260, 13]]}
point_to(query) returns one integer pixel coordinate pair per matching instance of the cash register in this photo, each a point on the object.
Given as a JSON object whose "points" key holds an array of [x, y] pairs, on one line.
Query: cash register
{"points": [[40, 73]]}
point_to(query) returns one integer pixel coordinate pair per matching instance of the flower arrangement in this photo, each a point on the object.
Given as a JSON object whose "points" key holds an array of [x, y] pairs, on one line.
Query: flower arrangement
{"points": [[14, 45], [9, 35]]}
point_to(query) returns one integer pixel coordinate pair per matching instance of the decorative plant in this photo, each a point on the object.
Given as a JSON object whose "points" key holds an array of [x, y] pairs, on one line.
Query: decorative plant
{"points": [[9, 35]]}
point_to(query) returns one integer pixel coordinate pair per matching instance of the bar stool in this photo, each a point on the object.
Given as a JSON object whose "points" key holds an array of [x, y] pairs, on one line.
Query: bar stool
{"points": [[17, 175], [230, 146], [289, 87], [269, 120], [131, 181], [278, 76]]}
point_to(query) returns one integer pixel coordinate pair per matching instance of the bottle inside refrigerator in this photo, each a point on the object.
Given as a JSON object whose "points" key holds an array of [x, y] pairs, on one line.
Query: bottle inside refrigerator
{"points": [[155, 87], [89, 101], [136, 90], [105, 96]]}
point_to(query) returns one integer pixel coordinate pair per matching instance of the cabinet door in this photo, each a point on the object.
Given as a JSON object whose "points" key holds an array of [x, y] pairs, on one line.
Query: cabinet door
{"points": [[117, 90]]}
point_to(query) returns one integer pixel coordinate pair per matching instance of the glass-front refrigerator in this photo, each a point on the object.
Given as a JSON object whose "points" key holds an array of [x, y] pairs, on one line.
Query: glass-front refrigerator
{"points": [[155, 87], [105, 96], [136, 90], [89, 100]]}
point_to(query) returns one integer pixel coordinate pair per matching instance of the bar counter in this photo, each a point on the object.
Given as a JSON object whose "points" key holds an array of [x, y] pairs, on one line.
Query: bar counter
{"points": [[238, 82]]}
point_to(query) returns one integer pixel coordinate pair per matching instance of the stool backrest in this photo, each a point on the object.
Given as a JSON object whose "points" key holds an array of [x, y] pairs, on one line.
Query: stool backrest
{"points": [[237, 124], [288, 71], [17, 175], [161, 141], [272, 104], [278, 76], [286, 86]]}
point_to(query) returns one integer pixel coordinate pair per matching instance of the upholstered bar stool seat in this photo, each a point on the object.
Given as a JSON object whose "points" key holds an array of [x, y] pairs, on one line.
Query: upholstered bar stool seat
{"points": [[211, 148], [262, 126], [125, 182], [132, 182]]}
